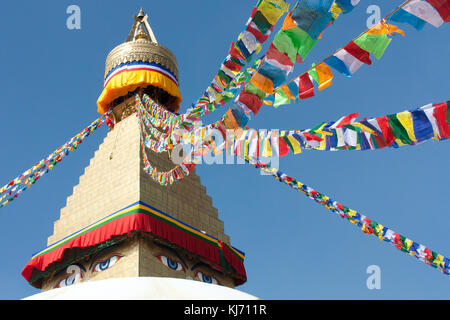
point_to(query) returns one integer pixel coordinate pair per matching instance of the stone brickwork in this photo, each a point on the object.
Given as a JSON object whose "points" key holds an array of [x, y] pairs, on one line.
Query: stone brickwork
{"points": [[115, 179]]}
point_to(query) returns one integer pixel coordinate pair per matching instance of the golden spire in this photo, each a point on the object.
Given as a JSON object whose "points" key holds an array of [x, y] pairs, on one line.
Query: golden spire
{"points": [[141, 46], [141, 23]]}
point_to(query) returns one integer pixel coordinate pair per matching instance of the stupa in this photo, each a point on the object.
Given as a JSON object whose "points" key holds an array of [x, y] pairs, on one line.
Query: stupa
{"points": [[119, 229]]}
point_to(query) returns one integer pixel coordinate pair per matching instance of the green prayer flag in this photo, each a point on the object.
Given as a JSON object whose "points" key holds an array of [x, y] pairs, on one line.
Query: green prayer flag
{"points": [[374, 43], [280, 98], [397, 129], [313, 73], [261, 22], [302, 41], [284, 43], [292, 42]]}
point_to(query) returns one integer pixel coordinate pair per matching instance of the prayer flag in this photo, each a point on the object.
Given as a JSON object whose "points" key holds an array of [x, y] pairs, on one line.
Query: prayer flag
{"points": [[425, 11], [280, 98], [305, 87], [374, 43], [404, 16]]}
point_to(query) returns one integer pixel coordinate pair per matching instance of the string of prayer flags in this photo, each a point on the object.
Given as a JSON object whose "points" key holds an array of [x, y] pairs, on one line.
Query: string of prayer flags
{"points": [[256, 31], [347, 60], [351, 57], [404, 128], [376, 39], [419, 12], [15, 187], [367, 225], [293, 42], [163, 178], [301, 30]]}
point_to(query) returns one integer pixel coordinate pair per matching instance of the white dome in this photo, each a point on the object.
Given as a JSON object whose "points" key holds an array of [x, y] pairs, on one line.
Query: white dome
{"points": [[143, 288]]}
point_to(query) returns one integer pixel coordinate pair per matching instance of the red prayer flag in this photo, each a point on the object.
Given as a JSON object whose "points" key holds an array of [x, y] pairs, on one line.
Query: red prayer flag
{"points": [[283, 148], [252, 101], [235, 53], [258, 34], [310, 136], [440, 113], [282, 58], [387, 133], [442, 7], [359, 53], [305, 87], [232, 65]]}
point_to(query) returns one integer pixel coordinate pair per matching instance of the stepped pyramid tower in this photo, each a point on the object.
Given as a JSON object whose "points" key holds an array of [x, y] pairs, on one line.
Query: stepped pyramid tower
{"points": [[118, 222]]}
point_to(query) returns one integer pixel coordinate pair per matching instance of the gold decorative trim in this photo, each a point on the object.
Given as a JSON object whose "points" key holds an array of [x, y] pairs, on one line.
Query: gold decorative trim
{"points": [[141, 50]]}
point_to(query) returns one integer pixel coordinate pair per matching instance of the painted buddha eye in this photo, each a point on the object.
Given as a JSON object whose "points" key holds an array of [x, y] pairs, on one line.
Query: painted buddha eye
{"points": [[207, 279], [70, 280], [108, 263], [172, 264]]}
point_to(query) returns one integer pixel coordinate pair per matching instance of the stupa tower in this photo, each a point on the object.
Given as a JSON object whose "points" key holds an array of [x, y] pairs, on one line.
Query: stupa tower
{"points": [[118, 222]]}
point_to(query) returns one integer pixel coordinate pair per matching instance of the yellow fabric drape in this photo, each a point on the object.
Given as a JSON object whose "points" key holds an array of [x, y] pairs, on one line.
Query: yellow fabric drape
{"points": [[128, 81]]}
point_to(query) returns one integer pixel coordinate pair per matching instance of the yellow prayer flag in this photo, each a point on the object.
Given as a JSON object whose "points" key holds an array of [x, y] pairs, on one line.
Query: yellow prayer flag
{"points": [[295, 144], [267, 150], [272, 10], [406, 120], [246, 144], [325, 75]]}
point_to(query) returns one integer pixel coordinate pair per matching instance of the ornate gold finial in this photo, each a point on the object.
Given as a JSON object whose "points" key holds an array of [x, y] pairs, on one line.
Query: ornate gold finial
{"points": [[141, 34], [141, 21], [141, 14]]}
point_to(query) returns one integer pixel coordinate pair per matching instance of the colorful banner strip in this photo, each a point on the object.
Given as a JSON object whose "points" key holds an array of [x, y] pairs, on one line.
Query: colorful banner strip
{"points": [[367, 225], [256, 31], [301, 30], [348, 59], [15, 187], [413, 127], [163, 178]]}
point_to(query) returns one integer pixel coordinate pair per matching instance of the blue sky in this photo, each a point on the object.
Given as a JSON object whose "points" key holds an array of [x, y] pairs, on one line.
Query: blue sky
{"points": [[295, 249]]}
